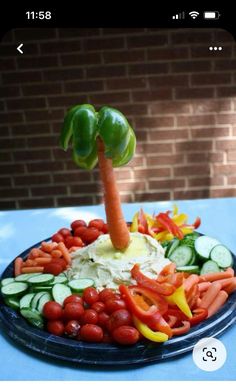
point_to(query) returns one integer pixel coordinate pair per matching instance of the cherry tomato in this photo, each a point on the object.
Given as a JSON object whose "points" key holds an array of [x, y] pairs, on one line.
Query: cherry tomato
{"points": [[97, 223], [77, 242], [55, 327], [73, 311], [69, 241], [103, 318], [105, 228], [112, 305], [90, 295], [98, 306], [91, 333], [119, 318], [53, 268], [90, 235], [73, 299], [57, 237], [72, 328], [125, 335], [106, 294], [52, 310], [60, 261], [78, 223], [89, 316], [65, 232], [79, 231]]}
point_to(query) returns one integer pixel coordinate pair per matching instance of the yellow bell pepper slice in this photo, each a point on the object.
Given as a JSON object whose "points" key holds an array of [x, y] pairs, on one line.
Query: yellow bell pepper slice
{"points": [[154, 336], [175, 210], [179, 298], [180, 219], [134, 225]]}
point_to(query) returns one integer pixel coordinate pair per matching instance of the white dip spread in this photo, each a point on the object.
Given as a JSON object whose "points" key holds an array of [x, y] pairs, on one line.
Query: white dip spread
{"points": [[108, 267]]}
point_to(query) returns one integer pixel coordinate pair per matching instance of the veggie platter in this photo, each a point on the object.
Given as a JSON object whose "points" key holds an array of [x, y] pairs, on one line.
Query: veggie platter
{"points": [[115, 292]]}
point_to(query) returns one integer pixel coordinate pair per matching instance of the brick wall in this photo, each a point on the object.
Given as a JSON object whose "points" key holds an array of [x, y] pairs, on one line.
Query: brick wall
{"points": [[179, 96]]}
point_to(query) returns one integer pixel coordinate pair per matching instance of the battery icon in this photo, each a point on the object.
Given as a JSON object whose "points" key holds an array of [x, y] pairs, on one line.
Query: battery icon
{"points": [[213, 15]]}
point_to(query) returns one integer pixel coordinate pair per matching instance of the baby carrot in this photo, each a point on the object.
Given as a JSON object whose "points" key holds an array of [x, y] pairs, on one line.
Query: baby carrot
{"points": [[30, 263], [204, 286], [18, 266], [43, 260], [231, 287], [210, 295], [48, 247], [217, 303], [43, 254], [34, 253], [32, 269], [65, 252], [190, 281], [225, 282], [218, 275], [56, 253]]}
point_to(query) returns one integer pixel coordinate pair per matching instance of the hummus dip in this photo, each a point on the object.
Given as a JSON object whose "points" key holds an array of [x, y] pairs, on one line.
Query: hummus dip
{"points": [[109, 267]]}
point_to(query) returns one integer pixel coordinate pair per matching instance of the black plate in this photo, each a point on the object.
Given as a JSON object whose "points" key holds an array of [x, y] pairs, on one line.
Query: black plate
{"points": [[110, 354]]}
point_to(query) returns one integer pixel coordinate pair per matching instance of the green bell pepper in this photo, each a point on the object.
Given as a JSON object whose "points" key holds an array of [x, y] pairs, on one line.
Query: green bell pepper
{"points": [[82, 125]]}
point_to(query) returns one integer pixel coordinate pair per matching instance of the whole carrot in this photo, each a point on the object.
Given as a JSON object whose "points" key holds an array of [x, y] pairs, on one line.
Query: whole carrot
{"points": [[217, 303]]}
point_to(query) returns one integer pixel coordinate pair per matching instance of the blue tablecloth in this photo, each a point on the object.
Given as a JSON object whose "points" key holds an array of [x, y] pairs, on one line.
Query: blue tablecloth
{"points": [[21, 229]]}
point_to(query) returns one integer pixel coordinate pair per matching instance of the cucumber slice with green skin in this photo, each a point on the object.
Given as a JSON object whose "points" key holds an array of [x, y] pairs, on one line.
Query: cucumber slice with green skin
{"points": [[60, 279], [13, 303], [181, 256], [203, 246], [209, 267], [45, 288], [42, 301], [14, 289], [25, 301], [6, 281], [35, 299], [222, 256], [25, 276], [45, 278], [78, 285], [33, 316], [189, 269], [172, 247], [194, 259], [60, 292]]}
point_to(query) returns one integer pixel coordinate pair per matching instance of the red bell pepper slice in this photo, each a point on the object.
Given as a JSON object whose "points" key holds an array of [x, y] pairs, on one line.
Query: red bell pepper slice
{"points": [[164, 289], [165, 221], [199, 314], [148, 310], [182, 329], [197, 223]]}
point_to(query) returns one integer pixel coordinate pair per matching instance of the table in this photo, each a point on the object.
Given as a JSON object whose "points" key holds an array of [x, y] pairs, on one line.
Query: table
{"points": [[20, 229]]}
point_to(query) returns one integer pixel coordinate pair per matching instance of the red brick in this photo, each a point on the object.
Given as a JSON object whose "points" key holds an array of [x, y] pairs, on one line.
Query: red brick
{"points": [[42, 89], [91, 187], [204, 52], [60, 47], [64, 74], [13, 193], [133, 109], [38, 167], [11, 117], [209, 106], [193, 146], [223, 36], [75, 201], [66, 100], [146, 96], [21, 77], [5, 156], [77, 32], [124, 56], [192, 170], [166, 184], [191, 194], [28, 180], [170, 159], [81, 59], [72, 177], [105, 71], [126, 83], [102, 43], [44, 115], [8, 64], [37, 62], [4, 131], [58, 153], [154, 148], [231, 180], [110, 98], [121, 31], [146, 40], [227, 192], [226, 91], [225, 65], [9, 91], [159, 172], [168, 53], [210, 132], [12, 169], [154, 122], [175, 107], [205, 181], [205, 157], [229, 144], [196, 120], [168, 134], [191, 66], [158, 196], [224, 169], [7, 204], [136, 161], [42, 141], [5, 181], [26, 103], [12, 143], [192, 93], [32, 155], [30, 129], [48, 191], [132, 186], [148, 68], [226, 118], [36, 203], [84, 86], [231, 155], [190, 36], [122, 174], [212, 79], [168, 80]]}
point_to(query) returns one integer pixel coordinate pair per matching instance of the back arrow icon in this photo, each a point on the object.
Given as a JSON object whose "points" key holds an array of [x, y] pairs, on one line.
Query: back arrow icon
{"points": [[19, 48]]}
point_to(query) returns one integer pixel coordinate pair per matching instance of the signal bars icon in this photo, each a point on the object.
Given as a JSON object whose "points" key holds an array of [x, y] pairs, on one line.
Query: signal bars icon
{"points": [[180, 15]]}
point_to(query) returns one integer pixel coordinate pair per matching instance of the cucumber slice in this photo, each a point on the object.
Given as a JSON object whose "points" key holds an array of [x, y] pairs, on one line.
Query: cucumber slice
{"points": [[194, 259], [203, 246], [222, 256], [209, 267], [182, 255], [60, 279], [43, 300], [8, 280], [25, 276], [14, 289], [45, 288], [172, 247], [60, 292], [189, 269], [13, 303], [78, 285], [33, 316], [45, 278], [26, 300], [36, 298]]}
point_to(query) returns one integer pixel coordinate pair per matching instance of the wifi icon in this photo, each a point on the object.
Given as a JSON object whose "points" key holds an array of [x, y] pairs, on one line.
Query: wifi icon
{"points": [[194, 14]]}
